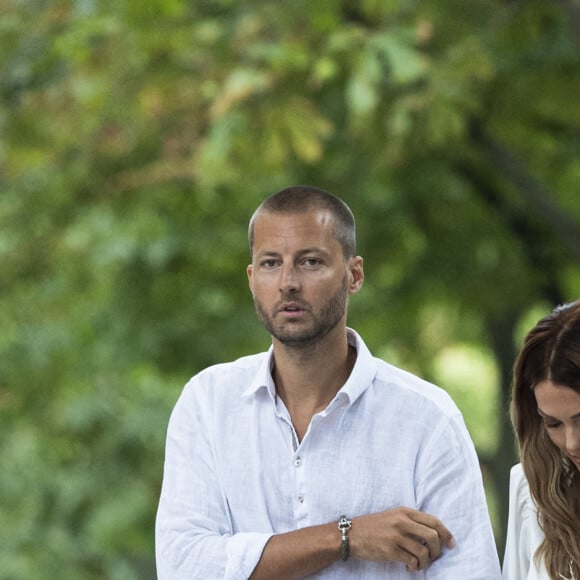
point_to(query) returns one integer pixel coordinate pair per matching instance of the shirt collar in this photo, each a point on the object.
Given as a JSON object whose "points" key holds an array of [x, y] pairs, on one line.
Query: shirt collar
{"points": [[363, 372], [263, 377], [360, 378]]}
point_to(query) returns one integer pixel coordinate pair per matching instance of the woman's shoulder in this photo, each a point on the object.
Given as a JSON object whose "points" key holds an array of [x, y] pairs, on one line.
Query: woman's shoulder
{"points": [[520, 490], [524, 533], [517, 475]]}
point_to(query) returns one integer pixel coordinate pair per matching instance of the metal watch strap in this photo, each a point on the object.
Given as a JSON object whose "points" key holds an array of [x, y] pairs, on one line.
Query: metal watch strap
{"points": [[344, 525]]}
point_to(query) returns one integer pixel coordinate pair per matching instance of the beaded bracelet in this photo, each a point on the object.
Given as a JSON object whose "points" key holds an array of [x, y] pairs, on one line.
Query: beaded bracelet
{"points": [[344, 525]]}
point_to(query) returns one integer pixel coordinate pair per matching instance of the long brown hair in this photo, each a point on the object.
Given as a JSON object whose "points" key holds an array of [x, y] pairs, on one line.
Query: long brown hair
{"points": [[551, 351]]}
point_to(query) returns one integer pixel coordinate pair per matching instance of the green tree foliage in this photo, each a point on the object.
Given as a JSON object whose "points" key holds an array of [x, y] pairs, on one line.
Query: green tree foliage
{"points": [[137, 137]]}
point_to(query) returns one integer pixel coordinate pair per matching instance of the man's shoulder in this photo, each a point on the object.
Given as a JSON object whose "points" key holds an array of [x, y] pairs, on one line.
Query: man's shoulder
{"points": [[240, 364], [222, 386], [403, 383], [398, 385], [235, 372], [220, 391]]}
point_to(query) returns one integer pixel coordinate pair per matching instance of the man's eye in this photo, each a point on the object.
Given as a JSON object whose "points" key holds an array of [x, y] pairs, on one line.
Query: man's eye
{"points": [[311, 261], [268, 263]]}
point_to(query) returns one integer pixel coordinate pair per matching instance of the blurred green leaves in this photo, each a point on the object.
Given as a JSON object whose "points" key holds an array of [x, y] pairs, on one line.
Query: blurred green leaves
{"points": [[136, 140]]}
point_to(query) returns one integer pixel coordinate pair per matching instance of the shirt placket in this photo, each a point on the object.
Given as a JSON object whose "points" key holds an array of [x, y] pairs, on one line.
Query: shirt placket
{"points": [[301, 499]]}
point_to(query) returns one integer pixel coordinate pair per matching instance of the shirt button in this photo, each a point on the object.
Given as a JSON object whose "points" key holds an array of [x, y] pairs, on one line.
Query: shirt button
{"points": [[300, 498], [297, 462]]}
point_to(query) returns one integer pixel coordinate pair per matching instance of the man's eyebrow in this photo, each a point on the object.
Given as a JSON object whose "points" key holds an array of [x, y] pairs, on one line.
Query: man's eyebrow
{"points": [[311, 250], [262, 253]]}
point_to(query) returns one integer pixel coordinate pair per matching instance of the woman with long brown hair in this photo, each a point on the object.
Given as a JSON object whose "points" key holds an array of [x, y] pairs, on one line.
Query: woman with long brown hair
{"points": [[544, 520]]}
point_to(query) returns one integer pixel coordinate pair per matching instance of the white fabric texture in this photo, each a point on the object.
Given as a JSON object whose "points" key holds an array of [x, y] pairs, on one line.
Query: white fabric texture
{"points": [[524, 534], [235, 473]]}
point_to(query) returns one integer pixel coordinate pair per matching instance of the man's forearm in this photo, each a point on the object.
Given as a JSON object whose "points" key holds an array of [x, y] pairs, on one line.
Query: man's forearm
{"points": [[397, 535], [299, 553]]}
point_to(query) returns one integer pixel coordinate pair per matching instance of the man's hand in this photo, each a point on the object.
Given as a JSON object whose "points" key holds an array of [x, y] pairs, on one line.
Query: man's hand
{"points": [[399, 535]]}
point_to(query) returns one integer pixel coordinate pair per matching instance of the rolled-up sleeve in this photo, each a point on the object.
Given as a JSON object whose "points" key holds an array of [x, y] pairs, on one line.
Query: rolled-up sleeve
{"points": [[451, 488], [193, 532]]}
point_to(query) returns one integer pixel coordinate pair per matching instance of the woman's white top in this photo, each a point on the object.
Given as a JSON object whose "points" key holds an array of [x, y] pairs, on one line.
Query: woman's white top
{"points": [[524, 534]]}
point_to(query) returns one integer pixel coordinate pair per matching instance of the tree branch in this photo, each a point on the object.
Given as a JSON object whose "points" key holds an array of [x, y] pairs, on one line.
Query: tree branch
{"points": [[535, 194], [573, 11]]}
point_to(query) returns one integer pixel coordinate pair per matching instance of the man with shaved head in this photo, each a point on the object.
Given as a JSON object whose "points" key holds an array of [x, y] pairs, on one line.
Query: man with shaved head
{"points": [[315, 458]]}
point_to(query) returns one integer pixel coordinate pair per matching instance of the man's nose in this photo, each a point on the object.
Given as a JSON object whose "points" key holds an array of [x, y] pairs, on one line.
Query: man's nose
{"points": [[289, 279]]}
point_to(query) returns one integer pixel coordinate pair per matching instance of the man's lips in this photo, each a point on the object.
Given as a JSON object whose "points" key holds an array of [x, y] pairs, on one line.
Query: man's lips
{"points": [[291, 308]]}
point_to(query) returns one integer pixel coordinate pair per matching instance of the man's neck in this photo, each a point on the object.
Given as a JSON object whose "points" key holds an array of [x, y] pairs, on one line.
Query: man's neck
{"points": [[307, 379]]}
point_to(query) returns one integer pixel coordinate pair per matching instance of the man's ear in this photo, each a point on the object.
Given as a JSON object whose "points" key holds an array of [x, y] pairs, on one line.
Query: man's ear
{"points": [[357, 274], [249, 272]]}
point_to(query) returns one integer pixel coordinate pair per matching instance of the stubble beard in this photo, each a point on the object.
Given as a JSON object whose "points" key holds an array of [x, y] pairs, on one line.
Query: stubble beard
{"points": [[330, 315]]}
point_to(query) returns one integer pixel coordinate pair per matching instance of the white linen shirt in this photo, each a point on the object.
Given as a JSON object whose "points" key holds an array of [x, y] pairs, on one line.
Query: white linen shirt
{"points": [[235, 473], [524, 534]]}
